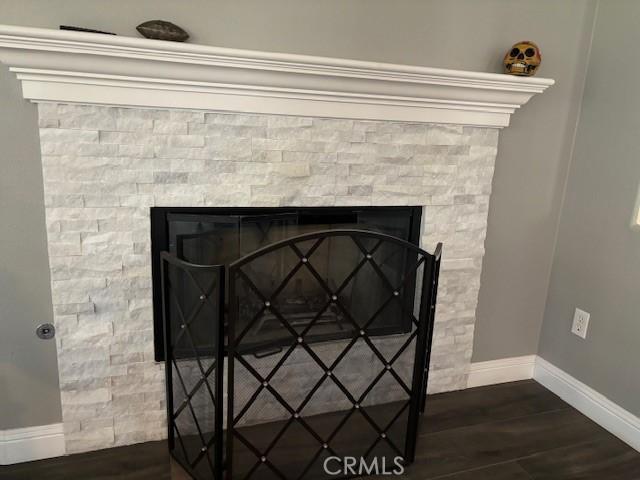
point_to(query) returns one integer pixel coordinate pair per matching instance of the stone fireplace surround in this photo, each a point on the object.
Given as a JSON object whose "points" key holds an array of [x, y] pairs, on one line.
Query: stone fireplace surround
{"points": [[236, 128]]}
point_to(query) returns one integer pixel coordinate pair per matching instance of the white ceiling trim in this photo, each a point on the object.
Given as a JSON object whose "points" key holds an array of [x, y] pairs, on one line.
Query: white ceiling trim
{"points": [[74, 67]]}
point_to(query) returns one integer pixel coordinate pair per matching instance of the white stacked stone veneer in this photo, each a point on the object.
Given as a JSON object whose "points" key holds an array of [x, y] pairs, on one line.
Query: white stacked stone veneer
{"points": [[104, 167]]}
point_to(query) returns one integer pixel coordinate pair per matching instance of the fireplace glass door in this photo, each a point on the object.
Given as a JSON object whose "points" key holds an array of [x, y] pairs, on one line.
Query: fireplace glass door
{"points": [[220, 237]]}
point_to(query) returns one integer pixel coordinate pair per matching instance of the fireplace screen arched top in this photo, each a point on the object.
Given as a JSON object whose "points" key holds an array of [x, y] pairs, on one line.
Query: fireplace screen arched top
{"points": [[324, 286]]}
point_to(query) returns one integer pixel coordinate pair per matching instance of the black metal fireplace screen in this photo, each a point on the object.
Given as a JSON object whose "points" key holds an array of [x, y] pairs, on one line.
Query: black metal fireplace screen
{"points": [[291, 402]]}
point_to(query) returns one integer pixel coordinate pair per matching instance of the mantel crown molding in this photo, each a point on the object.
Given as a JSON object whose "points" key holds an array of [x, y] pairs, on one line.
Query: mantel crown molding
{"points": [[75, 67]]}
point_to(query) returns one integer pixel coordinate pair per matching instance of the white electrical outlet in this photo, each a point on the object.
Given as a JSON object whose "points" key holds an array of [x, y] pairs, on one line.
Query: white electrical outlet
{"points": [[580, 323]]}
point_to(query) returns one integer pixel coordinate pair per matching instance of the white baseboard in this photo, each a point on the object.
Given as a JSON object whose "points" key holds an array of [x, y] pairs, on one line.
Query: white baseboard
{"points": [[31, 443], [610, 416], [501, 371], [597, 407]]}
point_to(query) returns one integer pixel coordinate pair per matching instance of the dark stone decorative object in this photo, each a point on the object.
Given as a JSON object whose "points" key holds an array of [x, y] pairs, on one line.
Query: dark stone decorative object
{"points": [[161, 30], [82, 29]]}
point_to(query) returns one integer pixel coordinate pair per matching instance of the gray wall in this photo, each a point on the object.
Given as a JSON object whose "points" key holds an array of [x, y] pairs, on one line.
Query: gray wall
{"points": [[464, 34], [597, 260], [29, 392]]}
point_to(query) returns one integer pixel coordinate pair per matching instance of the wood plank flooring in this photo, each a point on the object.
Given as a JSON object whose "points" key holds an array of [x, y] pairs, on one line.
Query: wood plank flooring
{"points": [[515, 431]]}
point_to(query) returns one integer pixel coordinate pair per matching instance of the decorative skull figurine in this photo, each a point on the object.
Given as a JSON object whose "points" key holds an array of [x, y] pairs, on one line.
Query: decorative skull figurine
{"points": [[523, 59]]}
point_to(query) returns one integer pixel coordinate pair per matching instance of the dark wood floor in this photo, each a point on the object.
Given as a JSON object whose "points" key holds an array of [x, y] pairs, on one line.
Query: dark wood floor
{"points": [[515, 431]]}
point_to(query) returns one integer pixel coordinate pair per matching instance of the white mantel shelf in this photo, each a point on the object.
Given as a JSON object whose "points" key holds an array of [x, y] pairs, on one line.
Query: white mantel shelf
{"points": [[74, 67]]}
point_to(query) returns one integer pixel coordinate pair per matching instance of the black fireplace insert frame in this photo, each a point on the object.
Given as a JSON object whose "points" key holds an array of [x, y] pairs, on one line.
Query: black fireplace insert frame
{"points": [[160, 241]]}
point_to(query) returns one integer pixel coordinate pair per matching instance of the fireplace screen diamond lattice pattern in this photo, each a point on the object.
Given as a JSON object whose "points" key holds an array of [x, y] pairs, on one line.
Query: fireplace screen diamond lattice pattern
{"points": [[291, 406]]}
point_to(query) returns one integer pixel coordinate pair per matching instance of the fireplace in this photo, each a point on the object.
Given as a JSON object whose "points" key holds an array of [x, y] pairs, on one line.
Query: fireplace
{"points": [[129, 124], [220, 236]]}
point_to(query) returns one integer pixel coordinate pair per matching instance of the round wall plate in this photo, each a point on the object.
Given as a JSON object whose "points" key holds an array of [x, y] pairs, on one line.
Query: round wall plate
{"points": [[46, 331]]}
